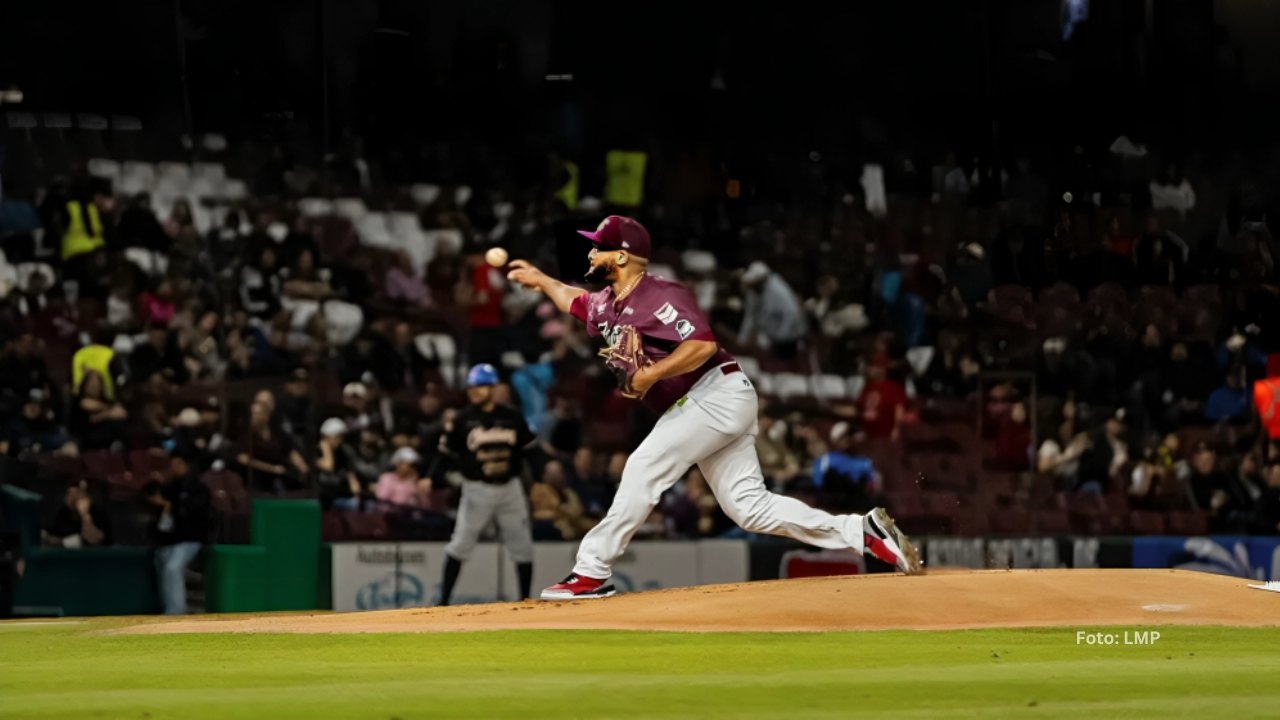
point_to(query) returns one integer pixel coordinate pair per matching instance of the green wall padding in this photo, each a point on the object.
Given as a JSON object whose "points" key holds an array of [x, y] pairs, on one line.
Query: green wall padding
{"points": [[21, 512], [324, 588], [235, 578], [289, 531], [89, 581]]}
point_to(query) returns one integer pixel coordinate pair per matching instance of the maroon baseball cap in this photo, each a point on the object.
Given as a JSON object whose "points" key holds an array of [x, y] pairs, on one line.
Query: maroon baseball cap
{"points": [[620, 233]]}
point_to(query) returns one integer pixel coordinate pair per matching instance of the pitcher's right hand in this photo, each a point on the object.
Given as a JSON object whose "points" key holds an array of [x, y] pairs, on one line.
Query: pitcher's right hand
{"points": [[527, 275]]}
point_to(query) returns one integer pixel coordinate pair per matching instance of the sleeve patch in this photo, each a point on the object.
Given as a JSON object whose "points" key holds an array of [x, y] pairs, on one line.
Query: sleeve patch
{"points": [[666, 314]]}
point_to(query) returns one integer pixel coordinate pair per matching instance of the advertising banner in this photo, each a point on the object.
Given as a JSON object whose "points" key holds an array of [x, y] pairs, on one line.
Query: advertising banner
{"points": [[821, 563], [1257, 558], [379, 576], [382, 576], [1026, 553]]}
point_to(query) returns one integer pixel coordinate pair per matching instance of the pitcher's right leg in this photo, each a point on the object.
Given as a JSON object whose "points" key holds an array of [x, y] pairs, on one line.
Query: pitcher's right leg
{"points": [[679, 438]]}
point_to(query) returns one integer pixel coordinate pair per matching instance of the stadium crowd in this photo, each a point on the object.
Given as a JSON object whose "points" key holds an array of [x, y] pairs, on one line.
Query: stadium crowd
{"points": [[1061, 345]]}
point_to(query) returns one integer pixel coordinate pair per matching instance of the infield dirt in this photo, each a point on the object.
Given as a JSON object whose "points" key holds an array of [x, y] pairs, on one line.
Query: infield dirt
{"points": [[940, 600]]}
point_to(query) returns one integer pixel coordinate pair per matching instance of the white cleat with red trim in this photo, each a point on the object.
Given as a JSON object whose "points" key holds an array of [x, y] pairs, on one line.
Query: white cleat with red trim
{"points": [[578, 587], [884, 541]]}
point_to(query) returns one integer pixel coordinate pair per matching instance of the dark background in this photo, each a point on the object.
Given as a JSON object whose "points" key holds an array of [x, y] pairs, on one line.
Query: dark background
{"points": [[975, 75]]}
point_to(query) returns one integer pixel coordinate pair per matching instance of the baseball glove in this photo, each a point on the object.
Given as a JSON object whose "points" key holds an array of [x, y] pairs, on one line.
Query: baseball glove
{"points": [[625, 357]]}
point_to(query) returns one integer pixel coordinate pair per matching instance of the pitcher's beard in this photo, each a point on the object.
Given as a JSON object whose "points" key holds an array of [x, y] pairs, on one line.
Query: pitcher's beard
{"points": [[597, 277]]}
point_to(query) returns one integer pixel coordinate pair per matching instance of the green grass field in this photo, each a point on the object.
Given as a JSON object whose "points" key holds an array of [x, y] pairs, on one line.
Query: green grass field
{"points": [[77, 672]]}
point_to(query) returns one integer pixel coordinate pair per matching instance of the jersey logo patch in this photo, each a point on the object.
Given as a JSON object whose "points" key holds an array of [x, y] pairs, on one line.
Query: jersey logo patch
{"points": [[627, 311], [684, 329], [667, 314]]}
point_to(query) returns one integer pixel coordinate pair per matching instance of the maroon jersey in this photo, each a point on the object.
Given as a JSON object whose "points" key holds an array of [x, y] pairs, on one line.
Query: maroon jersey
{"points": [[665, 314]]}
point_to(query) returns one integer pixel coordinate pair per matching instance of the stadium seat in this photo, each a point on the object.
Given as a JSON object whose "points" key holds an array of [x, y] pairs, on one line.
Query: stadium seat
{"points": [[764, 383], [1058, 314], [100, 464], [1146, 522], [918, 437], [67, 467], [440, 499], [144, 463], [1061, 293], [790, 385], [235, 190], [365, 525], [1189, 522], [213, 142], [150, 262], [905, 504], [215, 172], [199, 189], [998, 485], [1012, 304], [350, 208], [1157, 306], [174, 173], [1107, 297], [1011, 522], [935, 470], [104, 168], [970, 524], [124, 486], [315, 207], [372, 228], [424, 193], [942, 503], [828, 387], [1052, 522], [136, 177], [333, 527]]}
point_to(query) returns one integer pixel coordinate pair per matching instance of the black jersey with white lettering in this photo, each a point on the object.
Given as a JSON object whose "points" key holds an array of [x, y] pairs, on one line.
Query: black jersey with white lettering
{"points": [[487, 446]]}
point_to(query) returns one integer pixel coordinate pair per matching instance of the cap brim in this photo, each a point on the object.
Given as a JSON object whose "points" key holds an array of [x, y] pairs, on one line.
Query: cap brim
{"points": [[590, 235]]}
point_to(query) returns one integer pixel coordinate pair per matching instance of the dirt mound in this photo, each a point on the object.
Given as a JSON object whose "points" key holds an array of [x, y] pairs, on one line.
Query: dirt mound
{"points": [[937, 601]]}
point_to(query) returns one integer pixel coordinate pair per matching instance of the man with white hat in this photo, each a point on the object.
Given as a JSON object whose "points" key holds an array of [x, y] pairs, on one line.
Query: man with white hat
{"points": [[772, 313], [339, 484]]}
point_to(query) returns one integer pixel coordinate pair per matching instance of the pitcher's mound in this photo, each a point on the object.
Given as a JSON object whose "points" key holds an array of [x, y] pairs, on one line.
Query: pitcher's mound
{"points": [[937, 601]]}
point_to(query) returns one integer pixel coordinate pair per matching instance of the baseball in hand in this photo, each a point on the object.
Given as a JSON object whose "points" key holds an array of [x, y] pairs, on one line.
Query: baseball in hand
{"points": [[496, 257]]}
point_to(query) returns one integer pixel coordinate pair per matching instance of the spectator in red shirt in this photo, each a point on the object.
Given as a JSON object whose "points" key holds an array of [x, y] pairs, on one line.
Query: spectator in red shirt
{"points": [[1013, 440], [1117, 241], [882, 404], [483, 296]]}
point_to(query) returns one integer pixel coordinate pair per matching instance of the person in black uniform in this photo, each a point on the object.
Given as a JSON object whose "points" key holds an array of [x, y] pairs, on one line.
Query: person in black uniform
{"points": [[486, 444]]}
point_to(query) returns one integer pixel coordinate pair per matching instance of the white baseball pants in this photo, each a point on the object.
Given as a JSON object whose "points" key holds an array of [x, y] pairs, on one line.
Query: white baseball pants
{"points": [[482, 503], [715, 428]]}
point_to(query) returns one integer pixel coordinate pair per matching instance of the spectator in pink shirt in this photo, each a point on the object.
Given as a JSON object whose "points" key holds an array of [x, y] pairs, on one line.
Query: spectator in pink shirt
{"points": [[402, 486], [156, 305], [403, 284]]}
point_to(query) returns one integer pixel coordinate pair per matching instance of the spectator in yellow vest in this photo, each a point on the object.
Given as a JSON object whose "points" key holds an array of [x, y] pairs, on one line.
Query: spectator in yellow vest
{"points": [[87, 218], [96, 358], [86, 221]]}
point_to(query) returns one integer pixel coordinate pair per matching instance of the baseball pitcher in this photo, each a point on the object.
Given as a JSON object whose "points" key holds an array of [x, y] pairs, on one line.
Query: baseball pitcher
{"points": [[486, 445], [663, 351]]}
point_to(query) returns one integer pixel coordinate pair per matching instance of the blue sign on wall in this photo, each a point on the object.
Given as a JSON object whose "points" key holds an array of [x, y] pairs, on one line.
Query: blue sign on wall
{"points": [[1257, 558], [395, 590]]}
